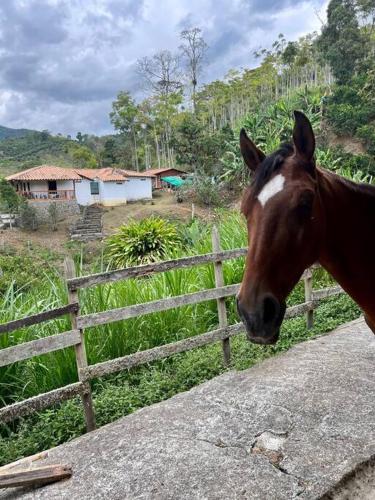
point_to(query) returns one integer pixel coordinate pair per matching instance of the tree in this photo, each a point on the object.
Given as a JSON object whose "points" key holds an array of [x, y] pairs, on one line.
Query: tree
{"points": [[161, 72], [124, 118], [79, 137], [193, 49], [108, 155], [9, 199], [341, 43], [84, 158]]}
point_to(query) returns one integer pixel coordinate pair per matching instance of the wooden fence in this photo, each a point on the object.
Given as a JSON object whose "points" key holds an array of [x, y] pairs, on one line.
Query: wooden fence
{"points": [[75, 337]]}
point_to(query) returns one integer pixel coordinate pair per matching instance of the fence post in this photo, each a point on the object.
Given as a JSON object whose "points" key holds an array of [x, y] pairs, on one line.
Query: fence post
{"points": [[308, 281], [80, 350], [219, 282]]}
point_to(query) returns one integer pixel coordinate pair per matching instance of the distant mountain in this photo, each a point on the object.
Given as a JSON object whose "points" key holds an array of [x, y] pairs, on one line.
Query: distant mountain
{"points": [[7, 133]]}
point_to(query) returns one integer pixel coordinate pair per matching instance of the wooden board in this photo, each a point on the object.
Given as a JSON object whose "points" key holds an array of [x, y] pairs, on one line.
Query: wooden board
{"points": [[157, 267], [38, 318], [155, 306], [38, 347], [35, 477]]}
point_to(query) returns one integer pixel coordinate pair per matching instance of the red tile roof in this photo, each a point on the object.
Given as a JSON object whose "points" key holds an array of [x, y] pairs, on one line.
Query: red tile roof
{"points": [[133, 173], [45, 172], [157, 171], [51, 173], [103, 174]]}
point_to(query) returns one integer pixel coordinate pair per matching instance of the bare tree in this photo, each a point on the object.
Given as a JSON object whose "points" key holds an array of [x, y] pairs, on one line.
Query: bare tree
{"points": [[193, 50], [161, 72]]}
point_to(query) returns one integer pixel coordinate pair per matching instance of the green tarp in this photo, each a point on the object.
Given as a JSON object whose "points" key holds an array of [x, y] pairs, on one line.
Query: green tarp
{"points": [[174, 181]]}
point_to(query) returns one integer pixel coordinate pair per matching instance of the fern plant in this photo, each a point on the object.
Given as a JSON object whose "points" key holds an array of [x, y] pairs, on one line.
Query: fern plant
{"points": [[142, 242]]}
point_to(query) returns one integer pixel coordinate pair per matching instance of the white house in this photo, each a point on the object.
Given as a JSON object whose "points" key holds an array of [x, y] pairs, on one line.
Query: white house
{"points": [[105, 186]]}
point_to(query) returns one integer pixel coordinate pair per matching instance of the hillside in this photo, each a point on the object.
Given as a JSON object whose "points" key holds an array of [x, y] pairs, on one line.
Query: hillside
{"points": [[6, 132], [33, 148]]}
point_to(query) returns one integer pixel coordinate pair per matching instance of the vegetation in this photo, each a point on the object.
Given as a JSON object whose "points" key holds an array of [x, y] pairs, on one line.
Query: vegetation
{"points": [[123, 393], [142, 242], [9, 200]]}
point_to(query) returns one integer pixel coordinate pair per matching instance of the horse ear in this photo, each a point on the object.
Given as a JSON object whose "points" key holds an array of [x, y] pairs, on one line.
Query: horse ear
{"points": [[303, 136], [251, 154]]}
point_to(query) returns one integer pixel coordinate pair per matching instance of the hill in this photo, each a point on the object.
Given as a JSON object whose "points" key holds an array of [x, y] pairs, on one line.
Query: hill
{"points": [[34, 148], [6, 132]]}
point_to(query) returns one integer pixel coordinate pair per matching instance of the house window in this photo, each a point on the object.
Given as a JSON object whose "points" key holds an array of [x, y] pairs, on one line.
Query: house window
{"points": [[52, 186], [94, 187]]}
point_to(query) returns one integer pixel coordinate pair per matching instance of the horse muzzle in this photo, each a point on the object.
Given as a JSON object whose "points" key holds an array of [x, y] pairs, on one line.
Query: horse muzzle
{"points": [[262, 322]]}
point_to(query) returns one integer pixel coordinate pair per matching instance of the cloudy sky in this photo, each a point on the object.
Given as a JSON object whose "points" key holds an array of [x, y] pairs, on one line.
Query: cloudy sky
{"points": [[62, 62]]}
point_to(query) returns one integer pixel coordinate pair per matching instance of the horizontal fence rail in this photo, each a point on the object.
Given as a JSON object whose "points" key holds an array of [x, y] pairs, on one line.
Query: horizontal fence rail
{"points": [[38, 347], [157, 267], [128, 312], [38, 318], [40, 402], [75, 337]]}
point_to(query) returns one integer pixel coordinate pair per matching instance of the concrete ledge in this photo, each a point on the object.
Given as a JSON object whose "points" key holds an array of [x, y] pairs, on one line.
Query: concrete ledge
{"points": [[296, 425]]}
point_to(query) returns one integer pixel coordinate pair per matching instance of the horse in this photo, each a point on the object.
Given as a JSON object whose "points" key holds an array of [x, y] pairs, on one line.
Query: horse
{"points": [[297, 214]]}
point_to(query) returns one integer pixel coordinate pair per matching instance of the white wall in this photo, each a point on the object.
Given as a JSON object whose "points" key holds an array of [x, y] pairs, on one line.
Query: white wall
{"points": [[138, 188], [83, 193], [111, 193]]}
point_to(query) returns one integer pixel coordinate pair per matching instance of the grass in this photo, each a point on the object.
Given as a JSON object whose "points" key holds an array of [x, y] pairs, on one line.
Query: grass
{"points": [[119, 395]]}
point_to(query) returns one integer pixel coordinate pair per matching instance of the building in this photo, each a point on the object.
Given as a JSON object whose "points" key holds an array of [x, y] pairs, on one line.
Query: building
{"points": [[158, 173], [105, 186]]}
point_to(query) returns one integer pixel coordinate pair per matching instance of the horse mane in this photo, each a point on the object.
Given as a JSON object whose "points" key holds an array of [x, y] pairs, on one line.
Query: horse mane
{"points": [[269, 165]]}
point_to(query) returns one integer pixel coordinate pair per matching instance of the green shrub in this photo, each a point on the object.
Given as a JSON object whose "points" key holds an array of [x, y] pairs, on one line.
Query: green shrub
{"points": [[142, 242], [9, 199], [28, 216], [367, 134]]}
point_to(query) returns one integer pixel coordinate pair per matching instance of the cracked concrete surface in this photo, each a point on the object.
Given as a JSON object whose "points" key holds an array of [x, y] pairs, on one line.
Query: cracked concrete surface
{"points": [[296, 425]]}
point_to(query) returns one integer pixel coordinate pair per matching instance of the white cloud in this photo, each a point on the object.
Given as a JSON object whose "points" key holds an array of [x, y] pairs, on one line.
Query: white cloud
{"points": [[62, 62]]}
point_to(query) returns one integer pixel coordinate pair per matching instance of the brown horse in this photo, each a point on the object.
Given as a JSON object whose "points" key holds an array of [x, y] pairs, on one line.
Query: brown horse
{"points": [[298, 214]]}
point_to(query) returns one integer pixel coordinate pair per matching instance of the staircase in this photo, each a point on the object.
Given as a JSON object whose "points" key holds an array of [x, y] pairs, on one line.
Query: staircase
{"points": [[89, 226]]}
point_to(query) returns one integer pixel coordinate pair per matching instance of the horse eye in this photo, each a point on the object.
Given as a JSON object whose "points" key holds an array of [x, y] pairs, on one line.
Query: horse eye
{"points": [[305, 205]]}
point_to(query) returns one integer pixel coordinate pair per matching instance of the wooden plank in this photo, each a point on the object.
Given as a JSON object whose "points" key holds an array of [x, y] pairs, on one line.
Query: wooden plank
{"points": [[308, 283], [219, 282], [155, 306], [40, 402], [38, 347], [298, 309], [37, 476], [25, 461], [157, 267], [327, 292], [38, 318], [80, 351], [161, 352]]}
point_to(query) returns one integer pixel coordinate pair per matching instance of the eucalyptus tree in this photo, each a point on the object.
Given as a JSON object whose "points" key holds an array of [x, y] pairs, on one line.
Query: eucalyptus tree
{"points": [[161, 74], [124, 118], [193, 50]]}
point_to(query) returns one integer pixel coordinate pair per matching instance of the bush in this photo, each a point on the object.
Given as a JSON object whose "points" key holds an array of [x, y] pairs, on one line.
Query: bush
{"points": [[142, 242], [367, 134], [28, 216], [203, 190], [53, 215], [9, 199]]}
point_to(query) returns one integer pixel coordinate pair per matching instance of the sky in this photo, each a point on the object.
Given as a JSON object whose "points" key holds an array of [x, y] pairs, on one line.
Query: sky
{"points": [[62, 62]]}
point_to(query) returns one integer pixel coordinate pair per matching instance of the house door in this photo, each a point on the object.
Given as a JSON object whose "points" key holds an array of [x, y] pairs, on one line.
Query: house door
{"points": [[52, 186]]}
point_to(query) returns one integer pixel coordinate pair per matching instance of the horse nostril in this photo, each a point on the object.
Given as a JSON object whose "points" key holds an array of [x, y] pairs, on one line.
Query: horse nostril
{"points": [[271, 309]]}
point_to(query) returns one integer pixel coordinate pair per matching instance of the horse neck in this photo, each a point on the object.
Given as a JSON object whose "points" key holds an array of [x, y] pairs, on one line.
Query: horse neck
{"points": [[348, 242]]}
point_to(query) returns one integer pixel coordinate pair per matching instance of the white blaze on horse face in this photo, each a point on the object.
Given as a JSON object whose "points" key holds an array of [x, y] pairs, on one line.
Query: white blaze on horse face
{"points": [[272, 187]]}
